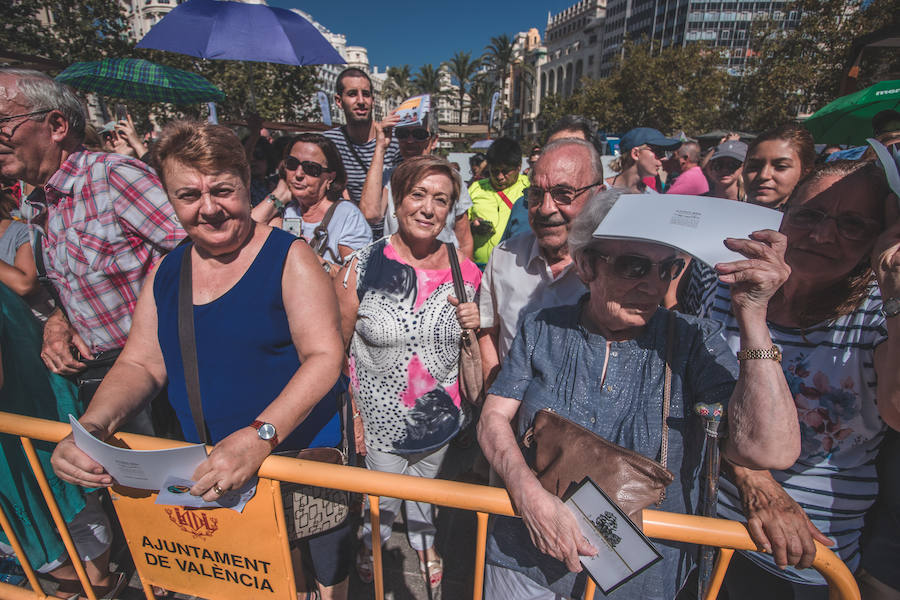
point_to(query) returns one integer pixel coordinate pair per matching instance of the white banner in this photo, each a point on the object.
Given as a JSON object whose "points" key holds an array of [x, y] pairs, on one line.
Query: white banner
{"points": [[325, 107], [493, 106]]}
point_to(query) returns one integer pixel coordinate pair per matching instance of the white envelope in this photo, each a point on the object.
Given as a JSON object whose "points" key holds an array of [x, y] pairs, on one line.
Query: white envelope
{"points": [[697, 225]]}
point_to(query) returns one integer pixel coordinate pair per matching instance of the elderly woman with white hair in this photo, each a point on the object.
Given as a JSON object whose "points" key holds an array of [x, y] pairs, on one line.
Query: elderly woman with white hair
{"points": [[600, 363]]}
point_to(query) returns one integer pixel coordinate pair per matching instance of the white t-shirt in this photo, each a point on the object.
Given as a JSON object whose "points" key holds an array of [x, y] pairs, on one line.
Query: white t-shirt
{"points": [[347, 227]]}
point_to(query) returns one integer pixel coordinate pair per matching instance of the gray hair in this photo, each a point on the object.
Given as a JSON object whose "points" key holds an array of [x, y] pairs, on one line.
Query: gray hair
{"points": [[596, 163], [581, 236], [691, 151], [43, 93]]}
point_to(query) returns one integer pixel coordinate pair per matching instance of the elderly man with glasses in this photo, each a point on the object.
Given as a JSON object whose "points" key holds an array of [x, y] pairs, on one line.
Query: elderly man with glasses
{"points": [[101, 221], [533, 270]]}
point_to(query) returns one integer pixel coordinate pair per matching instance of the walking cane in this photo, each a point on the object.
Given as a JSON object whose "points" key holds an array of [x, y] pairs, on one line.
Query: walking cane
{"points": [[712, 419]]}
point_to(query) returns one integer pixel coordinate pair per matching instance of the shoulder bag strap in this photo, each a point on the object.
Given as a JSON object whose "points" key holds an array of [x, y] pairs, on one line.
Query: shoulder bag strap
{"points": [[188, 343], [459, 285], [505, 199], [320, 234], [667, 391], [353, 150]]}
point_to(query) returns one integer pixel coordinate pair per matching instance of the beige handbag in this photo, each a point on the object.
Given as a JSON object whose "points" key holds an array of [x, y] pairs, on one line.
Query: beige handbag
{"points": [[471, 377]]}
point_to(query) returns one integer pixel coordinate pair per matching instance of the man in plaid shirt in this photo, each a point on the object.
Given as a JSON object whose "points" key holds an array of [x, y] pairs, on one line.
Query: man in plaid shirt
{"points": [[102, 220]]}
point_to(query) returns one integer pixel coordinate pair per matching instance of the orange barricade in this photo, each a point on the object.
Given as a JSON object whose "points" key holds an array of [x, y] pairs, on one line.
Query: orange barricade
{"points": [[222, 554]]}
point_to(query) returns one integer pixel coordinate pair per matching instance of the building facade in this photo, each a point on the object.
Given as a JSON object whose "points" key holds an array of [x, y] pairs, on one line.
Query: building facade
{"points": [[724, 24], [521, 87], [573, 39]]}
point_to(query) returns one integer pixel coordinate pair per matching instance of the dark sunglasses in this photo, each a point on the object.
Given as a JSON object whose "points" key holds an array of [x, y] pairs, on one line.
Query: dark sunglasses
{"points": [[560, 194], [725, 164], [660, 153], [850, 226], [635, 266], [313, 169], [419, 134]]}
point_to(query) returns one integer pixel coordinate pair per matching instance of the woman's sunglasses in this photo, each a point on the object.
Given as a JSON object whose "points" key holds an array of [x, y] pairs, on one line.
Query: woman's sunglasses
{"points": [[635, 266], [313, 169], [850, 226], [419, 134]]}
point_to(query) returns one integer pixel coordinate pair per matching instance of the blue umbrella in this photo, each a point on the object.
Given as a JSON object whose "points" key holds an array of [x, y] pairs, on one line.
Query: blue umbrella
{"points": [[223, 30]]}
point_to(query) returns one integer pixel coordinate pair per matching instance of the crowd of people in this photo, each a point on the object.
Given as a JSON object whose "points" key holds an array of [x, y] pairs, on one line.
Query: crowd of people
{"points": [[274, 295]]}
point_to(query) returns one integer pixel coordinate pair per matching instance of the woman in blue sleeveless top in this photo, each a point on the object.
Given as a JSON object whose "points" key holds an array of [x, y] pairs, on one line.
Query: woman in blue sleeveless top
{"points": [[266, 327]]}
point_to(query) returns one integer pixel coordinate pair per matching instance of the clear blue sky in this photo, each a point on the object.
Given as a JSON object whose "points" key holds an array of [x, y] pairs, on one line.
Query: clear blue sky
{"points": [[425, 31]]}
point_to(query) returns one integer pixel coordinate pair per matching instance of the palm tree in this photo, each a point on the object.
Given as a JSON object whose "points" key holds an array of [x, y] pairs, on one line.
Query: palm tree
{"points": [[398, 85], [428, 81], [462, 68], [500, 56], [480, 93]]}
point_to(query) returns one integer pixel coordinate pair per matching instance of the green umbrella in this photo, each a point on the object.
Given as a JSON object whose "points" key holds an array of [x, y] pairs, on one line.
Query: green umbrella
{"points": [[848, 120], [138, 79]]}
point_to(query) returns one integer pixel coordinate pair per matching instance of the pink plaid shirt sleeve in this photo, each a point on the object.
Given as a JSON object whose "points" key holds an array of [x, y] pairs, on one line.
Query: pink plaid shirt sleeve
{"points": [[108, 223]]}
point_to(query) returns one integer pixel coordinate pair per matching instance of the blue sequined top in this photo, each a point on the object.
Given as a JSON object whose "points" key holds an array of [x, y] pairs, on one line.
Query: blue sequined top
{"points": [[556, 363]]}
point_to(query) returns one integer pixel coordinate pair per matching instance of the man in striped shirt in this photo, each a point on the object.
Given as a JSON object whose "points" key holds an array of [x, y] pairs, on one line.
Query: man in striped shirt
{"points": [[102, 221], [356, 140]]}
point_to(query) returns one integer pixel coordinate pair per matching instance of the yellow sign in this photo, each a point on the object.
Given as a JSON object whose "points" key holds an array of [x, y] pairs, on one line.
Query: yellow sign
{"points": [[217, 553]]}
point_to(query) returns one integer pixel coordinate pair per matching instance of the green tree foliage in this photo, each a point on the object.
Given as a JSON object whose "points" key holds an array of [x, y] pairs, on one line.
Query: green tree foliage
{"points": [[462, 68], [428, 81], [399, 85], [673, 89], [800, 70], [77, 31]]}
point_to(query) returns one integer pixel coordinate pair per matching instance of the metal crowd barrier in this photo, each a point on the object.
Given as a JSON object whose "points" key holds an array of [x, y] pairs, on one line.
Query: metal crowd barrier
{"points": [[728, 536]]}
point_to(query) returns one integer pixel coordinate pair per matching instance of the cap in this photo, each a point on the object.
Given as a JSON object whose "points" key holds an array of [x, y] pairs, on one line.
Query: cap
{"points": [[731, 149], [111, 126], [647, 135]]}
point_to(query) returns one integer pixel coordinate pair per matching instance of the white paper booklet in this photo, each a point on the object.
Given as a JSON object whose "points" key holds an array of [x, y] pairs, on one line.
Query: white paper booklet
{"points": [[143, 469], [412, 111], [697, 225]]}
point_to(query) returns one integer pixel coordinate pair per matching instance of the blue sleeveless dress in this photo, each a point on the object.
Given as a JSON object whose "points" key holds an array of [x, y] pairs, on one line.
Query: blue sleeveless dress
{"points": [[245, 353]]}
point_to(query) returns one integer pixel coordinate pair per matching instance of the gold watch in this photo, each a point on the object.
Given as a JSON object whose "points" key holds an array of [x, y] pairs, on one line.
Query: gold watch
{"points": [[773, 353]]}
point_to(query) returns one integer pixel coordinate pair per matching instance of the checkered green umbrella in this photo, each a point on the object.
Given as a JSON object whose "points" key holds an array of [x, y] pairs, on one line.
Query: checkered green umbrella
{"points": [[138, 79]]}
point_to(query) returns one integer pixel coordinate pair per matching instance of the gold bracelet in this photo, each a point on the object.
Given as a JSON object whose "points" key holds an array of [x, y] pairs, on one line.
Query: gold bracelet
{"points": [[773, 353]]}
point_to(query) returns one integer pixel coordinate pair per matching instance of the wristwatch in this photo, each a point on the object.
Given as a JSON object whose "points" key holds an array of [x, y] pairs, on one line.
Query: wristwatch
{"points": [[266, 431], [890, 307], [279, 205], [773, 353]]}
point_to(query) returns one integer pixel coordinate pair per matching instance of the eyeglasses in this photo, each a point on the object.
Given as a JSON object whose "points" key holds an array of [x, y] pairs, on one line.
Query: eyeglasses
{"points": [[419, 134], [635, 266], [313, 169], [561, 194], [850, 226], [12, 132], [725, 164], [502, 170], [659, 153]]}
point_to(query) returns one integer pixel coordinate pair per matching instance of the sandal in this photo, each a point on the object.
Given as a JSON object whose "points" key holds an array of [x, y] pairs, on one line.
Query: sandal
{"points": [[432, 571], [72, 588], [365, 565]]}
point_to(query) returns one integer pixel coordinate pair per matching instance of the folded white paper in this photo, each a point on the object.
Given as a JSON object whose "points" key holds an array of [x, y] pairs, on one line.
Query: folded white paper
{"points": [[697, 225], [143, 469]]}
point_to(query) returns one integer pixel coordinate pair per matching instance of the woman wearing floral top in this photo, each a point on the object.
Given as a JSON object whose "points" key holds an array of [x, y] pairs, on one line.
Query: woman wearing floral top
{"points": [[403, 324], [840, 353]]}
